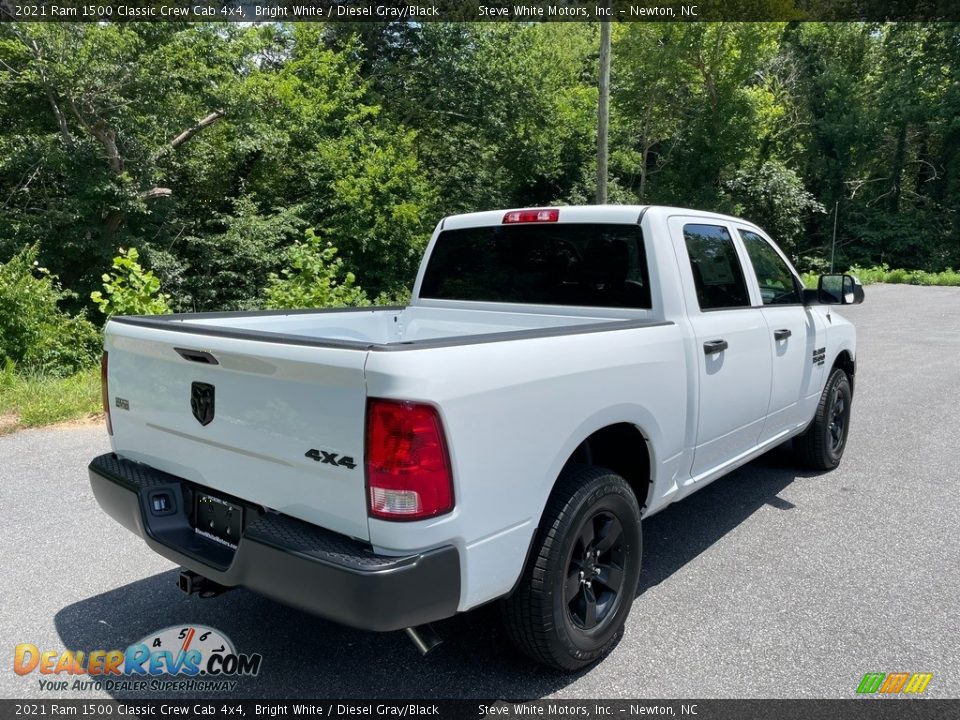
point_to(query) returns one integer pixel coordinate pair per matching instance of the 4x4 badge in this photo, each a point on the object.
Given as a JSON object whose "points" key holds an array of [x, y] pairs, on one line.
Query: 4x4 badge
{"points": [[331, 458], [202, 401]]}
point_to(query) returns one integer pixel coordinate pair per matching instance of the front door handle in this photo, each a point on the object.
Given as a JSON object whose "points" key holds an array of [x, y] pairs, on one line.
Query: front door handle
{"points": [[714, 346], [782, 334]]}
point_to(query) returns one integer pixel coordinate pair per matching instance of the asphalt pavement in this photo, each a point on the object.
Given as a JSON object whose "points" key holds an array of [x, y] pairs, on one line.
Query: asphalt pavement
{"points": [[771, 582]]}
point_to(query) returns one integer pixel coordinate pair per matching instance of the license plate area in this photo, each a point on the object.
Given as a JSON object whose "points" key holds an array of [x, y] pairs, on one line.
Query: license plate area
{"points": [[218, 519]]}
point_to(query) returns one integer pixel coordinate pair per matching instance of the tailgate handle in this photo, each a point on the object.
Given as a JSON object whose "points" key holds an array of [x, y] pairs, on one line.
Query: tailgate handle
{"points": [[200, 356]]}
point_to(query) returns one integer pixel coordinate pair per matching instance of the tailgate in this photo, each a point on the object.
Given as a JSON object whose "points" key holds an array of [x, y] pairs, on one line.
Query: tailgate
{"points": [[286, 421]]}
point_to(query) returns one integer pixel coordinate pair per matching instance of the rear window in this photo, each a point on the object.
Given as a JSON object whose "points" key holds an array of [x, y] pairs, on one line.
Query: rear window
{"points": [[596, 265]]}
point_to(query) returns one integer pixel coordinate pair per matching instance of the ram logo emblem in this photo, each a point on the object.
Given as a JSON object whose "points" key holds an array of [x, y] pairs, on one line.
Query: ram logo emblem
{"points": [[202, 402]]}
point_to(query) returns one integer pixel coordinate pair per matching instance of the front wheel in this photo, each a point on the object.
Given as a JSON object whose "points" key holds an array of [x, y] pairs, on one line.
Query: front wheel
{"points": [[579, 584], [821, 446]]}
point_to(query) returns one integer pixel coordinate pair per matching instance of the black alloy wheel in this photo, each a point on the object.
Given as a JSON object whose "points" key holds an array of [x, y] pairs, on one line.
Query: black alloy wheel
{"points": [[579, 583], [838, 422], [595, 572], [822, 444]]}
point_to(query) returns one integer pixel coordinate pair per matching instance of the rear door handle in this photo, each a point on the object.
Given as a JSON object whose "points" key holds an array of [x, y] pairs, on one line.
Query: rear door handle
{"points": [[714, 346], [782, 334]]}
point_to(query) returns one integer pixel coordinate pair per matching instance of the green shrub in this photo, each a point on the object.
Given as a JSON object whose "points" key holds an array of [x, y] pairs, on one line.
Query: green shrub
{"points": [[398, 297], [130, 290], [897, 276], [947, 277], [871, 275], [882, 273], [35, 334], [313, 277]]}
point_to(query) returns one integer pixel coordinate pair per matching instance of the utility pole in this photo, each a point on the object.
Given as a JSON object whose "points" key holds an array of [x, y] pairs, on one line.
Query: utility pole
{"points": [[603, 112]]}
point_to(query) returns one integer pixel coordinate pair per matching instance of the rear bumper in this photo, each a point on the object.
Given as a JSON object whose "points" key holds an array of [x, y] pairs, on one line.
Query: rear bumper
{"points": [[291, 561]]}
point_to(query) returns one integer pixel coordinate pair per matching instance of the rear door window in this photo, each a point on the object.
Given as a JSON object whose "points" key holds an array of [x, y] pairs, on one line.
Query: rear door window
{"points": [[586, 264], [717, 273]]}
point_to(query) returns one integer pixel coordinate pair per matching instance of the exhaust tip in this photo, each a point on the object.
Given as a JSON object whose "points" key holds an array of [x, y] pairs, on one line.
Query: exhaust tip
{"points": [[424, 638]]}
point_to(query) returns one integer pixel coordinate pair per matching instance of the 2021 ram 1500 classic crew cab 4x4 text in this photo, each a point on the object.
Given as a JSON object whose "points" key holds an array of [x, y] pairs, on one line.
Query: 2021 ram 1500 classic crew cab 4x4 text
{"points": [[559, 374]]}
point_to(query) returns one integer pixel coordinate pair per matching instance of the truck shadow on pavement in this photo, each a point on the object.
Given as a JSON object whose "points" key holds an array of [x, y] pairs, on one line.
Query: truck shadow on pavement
{"points": [[681, 532], [304, 656]]}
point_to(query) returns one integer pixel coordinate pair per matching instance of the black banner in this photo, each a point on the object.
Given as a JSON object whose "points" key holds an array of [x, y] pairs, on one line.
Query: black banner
{"points": [[477, 10], [853, 709]]}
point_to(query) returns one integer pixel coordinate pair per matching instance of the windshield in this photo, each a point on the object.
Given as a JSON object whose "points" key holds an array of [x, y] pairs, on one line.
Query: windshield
{"points": [[595, 265]]}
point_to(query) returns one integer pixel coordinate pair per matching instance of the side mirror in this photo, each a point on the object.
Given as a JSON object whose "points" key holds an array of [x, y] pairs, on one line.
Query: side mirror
{"points": [[839, 290]]}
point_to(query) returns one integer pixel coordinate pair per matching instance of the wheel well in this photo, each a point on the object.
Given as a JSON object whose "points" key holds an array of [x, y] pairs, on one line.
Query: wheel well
{"points": [[846, 363], [623, 449]]}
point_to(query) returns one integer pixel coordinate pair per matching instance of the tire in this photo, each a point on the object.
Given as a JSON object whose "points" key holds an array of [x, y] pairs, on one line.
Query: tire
{"points": [[558, 615], [821, 446]]}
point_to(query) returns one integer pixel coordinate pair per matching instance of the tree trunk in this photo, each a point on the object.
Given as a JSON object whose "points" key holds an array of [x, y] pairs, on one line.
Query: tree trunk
{"points": [[58, 114], [48, 91]]}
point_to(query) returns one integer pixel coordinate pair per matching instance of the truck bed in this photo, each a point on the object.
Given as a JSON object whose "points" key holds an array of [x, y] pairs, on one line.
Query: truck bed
{"points": [[284, 387], [384, 328]]}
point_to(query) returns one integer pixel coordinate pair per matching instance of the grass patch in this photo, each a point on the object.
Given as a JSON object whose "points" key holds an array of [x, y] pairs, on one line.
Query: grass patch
{"points": [[32, 401], [884, 274]]}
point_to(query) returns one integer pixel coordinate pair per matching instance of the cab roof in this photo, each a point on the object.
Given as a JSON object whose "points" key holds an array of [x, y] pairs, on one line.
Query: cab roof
{"points": [[581, 214]]}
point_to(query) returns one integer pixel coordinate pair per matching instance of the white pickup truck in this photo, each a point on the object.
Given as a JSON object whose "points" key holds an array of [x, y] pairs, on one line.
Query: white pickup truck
{"points": [[560, 374]]}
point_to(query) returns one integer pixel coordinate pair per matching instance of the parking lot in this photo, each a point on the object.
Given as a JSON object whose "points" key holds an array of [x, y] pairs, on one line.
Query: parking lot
{"points": [[769, 583]]}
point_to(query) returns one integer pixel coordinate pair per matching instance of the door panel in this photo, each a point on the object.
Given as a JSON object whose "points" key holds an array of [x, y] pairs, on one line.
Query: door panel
{"points": [[734, 382], [793, 368], [734, 385], [792, 333]]}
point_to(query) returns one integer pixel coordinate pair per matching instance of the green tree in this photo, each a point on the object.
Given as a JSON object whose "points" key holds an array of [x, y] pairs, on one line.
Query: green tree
{"points": [[773, 196], [313, 277], [35, 333], [505, 113], [654, 97], [211, 147], [129, 289], [182, 139], [109, 112]]}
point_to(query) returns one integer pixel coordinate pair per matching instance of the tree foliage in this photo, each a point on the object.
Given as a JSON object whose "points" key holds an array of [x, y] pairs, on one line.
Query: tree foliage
{"points": [[773, 196], [129, 289], [212, 147], [209, 147], [35, 334], [313, 276]]}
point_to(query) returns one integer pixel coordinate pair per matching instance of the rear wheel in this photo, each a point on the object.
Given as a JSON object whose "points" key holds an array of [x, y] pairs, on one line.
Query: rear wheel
{"points": [[579, 584], [821, 446]]}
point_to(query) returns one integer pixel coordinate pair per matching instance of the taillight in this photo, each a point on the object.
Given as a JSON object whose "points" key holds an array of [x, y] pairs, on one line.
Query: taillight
{"points": [[408, 467], [531, 216], [105, 391]]}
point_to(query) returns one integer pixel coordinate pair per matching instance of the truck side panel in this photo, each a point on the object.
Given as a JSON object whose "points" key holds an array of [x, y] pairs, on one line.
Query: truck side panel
{"points": [[514, 412]]}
